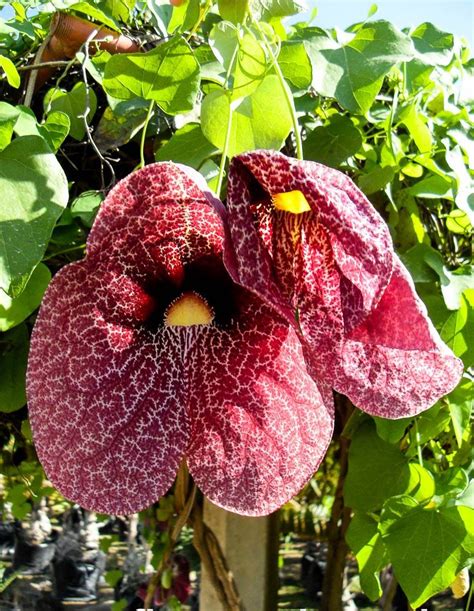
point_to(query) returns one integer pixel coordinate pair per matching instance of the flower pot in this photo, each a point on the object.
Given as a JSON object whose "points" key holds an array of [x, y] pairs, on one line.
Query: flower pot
{"points": [[77, 580], [32, 558], [7, 539], [68, 33]]}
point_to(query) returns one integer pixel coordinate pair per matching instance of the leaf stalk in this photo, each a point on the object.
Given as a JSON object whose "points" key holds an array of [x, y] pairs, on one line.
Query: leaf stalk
{"points": [[144, 131], [286, 90]]}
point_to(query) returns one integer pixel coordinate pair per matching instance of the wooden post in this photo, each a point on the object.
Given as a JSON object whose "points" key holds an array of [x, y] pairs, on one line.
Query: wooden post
{"points": [[250, 547]]}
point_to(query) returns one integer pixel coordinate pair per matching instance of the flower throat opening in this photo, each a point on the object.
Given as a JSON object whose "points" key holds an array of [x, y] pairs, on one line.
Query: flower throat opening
{"points": [[187, 310], [203, 296]]}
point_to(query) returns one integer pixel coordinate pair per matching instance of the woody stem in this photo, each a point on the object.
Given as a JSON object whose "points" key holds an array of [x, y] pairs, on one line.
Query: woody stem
{"points": [[338, 524], [184, 501], [212, 558]]}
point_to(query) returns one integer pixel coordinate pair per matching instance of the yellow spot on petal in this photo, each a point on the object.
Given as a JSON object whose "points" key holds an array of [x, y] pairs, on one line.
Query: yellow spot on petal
{"points": [[187, 310], [292, 201]]}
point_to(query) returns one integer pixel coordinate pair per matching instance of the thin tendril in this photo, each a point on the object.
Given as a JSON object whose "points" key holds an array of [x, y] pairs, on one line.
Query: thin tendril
{"points": [[87, 110]]}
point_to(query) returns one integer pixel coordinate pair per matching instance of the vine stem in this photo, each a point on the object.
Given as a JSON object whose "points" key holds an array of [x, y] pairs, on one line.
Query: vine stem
{"points": [[30, 85], [87, 110], [389, 594], [62, 252], [145, 129], [202, 15], [339, 522], [286, 90], [184, 501], [225, 149], [224, 153], [213, 559], [393, 111], [418, 444], [52, 64], [204, 540], [469, 599]]}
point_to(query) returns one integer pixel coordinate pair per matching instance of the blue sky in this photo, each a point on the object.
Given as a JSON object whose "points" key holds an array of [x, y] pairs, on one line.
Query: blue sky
{"points": [[455, 16]]}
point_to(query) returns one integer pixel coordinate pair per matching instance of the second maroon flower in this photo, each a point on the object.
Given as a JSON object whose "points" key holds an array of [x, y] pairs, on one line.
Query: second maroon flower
{"points": [[303, 236]]}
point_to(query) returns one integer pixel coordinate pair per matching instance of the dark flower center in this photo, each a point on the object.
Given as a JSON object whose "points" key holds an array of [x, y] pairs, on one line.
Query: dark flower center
{"points": [[206, 291]]}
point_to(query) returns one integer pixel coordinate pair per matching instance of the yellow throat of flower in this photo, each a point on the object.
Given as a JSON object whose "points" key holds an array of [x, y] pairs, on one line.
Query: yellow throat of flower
{"points": [[187, 310], [291, 201]]}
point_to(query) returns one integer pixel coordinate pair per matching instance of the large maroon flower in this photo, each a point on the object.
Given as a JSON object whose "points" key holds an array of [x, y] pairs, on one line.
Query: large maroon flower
{"points": [[305, 238], [146, 352]]}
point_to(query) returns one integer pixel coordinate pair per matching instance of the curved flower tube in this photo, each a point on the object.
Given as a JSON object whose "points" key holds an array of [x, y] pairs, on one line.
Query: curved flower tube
{"points": [[146, 353], [325, 261]]}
